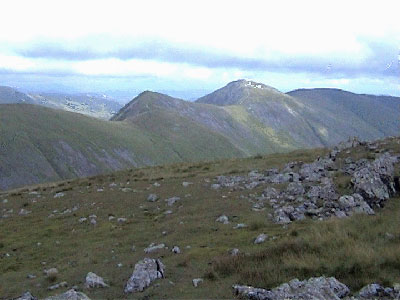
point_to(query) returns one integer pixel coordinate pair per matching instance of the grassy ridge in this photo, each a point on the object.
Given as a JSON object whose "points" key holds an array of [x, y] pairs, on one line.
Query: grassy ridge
{"points": [[358, 250]]}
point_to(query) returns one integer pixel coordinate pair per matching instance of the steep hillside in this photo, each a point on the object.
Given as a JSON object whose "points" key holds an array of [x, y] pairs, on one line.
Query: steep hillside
{"points": [[39, 144]]}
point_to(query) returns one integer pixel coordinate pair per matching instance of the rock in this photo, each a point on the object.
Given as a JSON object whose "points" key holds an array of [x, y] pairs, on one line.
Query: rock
{"points": [[176, 250], [370, 186], [145, 272], [270, 193], [24, 212], [295, 189], [260, 238], [57, 286], [197, 281], [215, 186], [153, 248], [156, 184], [376, 291], [121, 220], [51, 272], [59, 195], [314, 288], [26, 296], [171, 201], [186, 184], [94, 281], [93, 221], [222, 219], [240, 226], [69, 295], [81, 220], [234, 252], [152, 198], [281, 216]]}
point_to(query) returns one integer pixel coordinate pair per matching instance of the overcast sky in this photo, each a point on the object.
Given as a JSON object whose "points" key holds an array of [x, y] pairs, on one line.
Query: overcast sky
{"points": [[200, 45]]}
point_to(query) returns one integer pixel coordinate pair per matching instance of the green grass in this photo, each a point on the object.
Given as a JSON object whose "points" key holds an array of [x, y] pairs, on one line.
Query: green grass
{"points": [[357, 250]]}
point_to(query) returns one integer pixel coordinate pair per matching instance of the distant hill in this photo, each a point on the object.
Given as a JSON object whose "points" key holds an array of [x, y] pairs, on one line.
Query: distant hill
{"points": [[99, 106], [10, 95]]}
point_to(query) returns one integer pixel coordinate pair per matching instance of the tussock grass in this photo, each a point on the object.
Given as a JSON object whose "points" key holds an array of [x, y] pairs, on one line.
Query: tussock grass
{"points": [[357, 251]]}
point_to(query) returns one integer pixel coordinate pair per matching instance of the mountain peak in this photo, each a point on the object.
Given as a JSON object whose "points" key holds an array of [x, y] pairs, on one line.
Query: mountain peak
{"points": [[239, 91], [144, 102]]}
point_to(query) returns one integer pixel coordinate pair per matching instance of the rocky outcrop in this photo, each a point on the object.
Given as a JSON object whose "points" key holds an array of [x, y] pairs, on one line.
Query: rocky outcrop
{"points": [[314, 288], [146, 271]]}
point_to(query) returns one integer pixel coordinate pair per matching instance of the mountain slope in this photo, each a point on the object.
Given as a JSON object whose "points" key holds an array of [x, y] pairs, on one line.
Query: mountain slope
{"points": [[367, 116], [39, 144], [237, 126]]}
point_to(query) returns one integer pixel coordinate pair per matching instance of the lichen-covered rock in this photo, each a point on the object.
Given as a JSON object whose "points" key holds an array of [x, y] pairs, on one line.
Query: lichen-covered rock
{"points": [[95, 281], [69, 295], [145, 272], [314, 288]]}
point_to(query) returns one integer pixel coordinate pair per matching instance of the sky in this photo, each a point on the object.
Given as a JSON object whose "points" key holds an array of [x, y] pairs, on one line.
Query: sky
{"points": [[196, 46]]}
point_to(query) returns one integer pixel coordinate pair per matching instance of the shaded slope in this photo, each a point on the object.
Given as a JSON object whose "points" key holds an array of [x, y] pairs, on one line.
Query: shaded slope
{"points": [[39, 144], [337, 112]]}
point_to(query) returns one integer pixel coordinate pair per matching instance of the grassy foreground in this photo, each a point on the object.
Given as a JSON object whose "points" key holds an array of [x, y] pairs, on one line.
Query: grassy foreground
{"points": [[357, 251]]}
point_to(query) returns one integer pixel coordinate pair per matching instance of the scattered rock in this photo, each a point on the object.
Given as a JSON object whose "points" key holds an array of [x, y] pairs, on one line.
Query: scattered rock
{"points": [[234, 252], [69, 295], [261, 238], [152, 198], [240, 226], [26, 296], [57, 286], [176, 250], [145, 272], [94, 281], [222, 219], [24, 212], [171, 201], [197, 281], [153, 248], [51, 272]]}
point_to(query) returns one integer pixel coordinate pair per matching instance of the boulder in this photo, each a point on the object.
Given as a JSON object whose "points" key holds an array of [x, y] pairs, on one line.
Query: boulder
{"points": [[145, 272], [197, 281], [94, 281]]}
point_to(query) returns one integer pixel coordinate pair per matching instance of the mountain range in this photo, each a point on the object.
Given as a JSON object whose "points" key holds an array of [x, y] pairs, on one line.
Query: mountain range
{"points": [[244, 118]]}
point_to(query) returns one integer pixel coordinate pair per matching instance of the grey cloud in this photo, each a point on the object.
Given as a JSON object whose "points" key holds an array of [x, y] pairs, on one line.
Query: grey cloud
{"points": [[382, 60]]}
